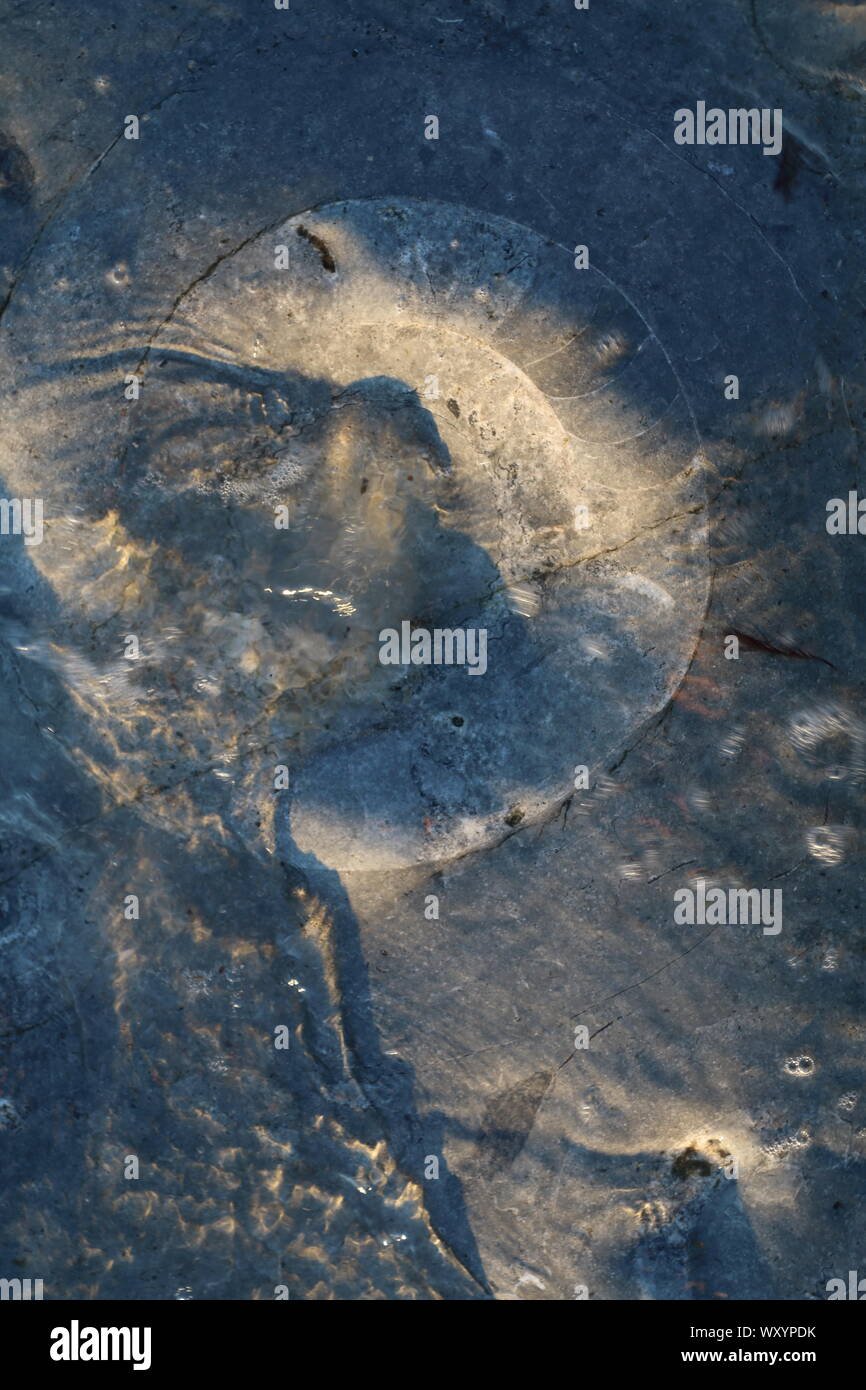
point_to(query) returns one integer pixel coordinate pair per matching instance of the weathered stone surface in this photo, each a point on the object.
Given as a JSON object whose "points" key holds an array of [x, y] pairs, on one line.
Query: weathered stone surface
{"points": [[416, 1037]]}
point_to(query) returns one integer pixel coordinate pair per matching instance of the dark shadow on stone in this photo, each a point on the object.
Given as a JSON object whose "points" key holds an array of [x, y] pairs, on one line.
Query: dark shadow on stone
{"points": [[387, 1082]]}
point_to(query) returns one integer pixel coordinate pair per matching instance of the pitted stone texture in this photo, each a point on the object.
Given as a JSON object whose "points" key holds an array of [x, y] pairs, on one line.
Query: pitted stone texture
{"points": [[480, 389], [468, 432]]}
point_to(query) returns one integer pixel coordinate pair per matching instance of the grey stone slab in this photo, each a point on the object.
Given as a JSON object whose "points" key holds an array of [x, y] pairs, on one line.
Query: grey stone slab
{"points": [[435, 1129]]}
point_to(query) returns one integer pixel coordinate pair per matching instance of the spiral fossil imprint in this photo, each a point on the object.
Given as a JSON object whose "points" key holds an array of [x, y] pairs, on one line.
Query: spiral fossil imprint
{"points": [[465, 430]]}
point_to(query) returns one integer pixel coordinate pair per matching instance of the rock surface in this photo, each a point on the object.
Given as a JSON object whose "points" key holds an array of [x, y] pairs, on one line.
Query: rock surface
{"points": [[283, 294]]}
